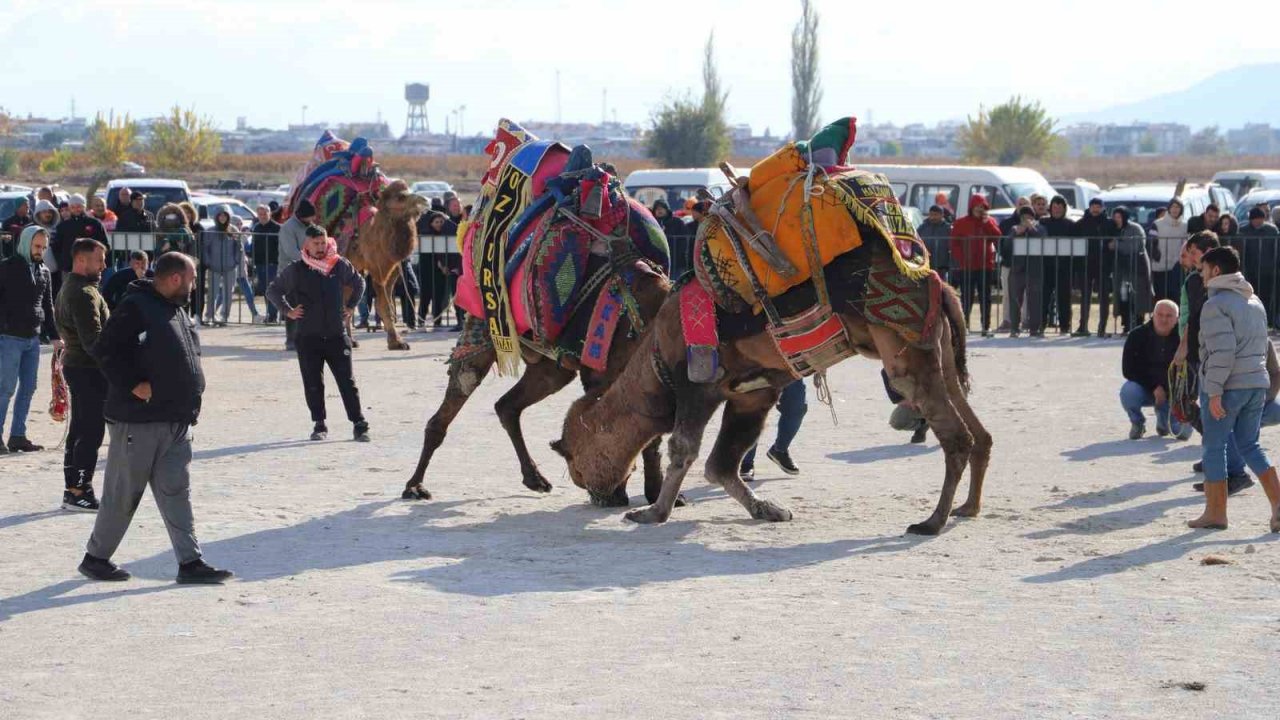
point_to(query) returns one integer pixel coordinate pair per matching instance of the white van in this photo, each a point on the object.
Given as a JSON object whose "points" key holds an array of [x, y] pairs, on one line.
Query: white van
{"points": [[676, 185], [158, 191], [1241, 182], [918, 185], [1076, 192]]}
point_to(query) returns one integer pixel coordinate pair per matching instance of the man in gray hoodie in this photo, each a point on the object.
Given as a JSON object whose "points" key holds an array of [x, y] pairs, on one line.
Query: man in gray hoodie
{"points": [[1233, 384], [293, 236]]}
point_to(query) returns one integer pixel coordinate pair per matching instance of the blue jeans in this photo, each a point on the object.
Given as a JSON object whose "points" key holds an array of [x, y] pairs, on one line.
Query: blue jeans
{"points": [[1271, 414], [792, 406], [267, 273], [246, 289], [1134, 397], [1237, 434], [19, 366]]}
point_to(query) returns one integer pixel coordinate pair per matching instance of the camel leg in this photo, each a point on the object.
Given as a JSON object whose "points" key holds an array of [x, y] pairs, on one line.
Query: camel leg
{"points": [[464, 378], [980, 456], [919, 372], [540, 381], [652, 457], [694, 408], [386, 309], [740, 428]]}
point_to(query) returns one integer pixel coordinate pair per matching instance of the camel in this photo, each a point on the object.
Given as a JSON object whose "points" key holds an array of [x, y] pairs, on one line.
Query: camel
{"points": [[381, 244], [601, 435], [543, 378]]}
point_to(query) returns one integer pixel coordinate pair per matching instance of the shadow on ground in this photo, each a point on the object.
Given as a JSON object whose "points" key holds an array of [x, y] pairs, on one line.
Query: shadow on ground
{"points": [[895, 451], [539, 551]]}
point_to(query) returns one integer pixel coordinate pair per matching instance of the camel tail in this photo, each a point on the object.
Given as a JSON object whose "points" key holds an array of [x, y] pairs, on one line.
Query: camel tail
{"points": [[959, 333]]}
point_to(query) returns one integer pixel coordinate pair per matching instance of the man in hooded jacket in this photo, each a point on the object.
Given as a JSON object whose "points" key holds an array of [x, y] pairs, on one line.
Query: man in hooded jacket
{"points": [[973, 258], [222, 254], [26, 312], [678, 238]]}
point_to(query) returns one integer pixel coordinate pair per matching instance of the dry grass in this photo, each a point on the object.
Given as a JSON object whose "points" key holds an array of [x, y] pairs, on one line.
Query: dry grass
{"points": [[464, 171]]}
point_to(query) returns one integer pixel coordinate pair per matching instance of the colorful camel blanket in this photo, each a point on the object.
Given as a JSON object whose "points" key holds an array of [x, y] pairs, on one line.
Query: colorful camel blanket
{"points": [[842, 201], [343, 182], [544, 214]]}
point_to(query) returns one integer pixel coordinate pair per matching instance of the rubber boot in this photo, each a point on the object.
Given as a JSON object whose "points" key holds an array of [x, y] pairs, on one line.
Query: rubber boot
{"points": [[1270, 481], [1215, 508]]}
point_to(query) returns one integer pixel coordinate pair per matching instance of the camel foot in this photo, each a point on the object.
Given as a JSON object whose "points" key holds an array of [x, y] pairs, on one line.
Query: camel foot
{"points": [[1275, 522], [647, 516], [397, 345], [415, 492], [928, 527], [765, 510], [615, 500], [537, 483], [967, 510], [681, 500]]}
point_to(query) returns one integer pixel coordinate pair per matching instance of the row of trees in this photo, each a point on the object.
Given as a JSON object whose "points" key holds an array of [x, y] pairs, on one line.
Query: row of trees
{"points": [[182, 140]]}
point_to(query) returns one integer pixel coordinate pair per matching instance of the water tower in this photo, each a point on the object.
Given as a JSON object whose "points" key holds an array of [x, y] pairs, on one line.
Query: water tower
{"points": [[416, 125]]}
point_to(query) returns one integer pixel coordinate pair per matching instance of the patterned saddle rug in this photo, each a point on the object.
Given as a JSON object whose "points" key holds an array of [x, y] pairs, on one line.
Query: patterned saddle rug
{"points": [[544, 216], [343, 182]]}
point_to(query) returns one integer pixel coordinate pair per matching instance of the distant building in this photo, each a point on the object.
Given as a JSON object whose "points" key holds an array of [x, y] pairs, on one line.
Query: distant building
{"points": [[1127, 140], [1254, 139]]}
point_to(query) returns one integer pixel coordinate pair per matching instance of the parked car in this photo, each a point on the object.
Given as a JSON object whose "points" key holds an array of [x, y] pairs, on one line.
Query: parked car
{"points": [[11, 187], [1241, 182], [1222, 196], [677, 186], [1144, 200], [9, 200], [132, 169], [430, 189], [205, 204], [1252, 200], [159, 191], [918, 185], [1076, 192]]}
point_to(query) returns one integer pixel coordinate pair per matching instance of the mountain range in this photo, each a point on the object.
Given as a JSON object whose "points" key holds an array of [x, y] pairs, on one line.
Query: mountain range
{"points": [[1229, 99]]}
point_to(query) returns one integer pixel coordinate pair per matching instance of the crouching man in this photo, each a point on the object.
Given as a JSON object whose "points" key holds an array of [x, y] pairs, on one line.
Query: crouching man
{"points": [[1148, 352]]}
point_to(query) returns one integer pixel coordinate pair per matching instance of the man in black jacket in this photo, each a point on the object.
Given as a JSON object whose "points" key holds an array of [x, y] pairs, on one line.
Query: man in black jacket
{"points": [[1207, 220], [1098, 267], [1148, 351], [266, 254], [319, 292], [150, 353], [26, 312], [1059, 231], [79, 224], [134, 216], [115, 289]]}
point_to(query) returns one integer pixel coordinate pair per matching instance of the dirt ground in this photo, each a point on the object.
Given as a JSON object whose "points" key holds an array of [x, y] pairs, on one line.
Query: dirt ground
{"points": [[1078, 592]]}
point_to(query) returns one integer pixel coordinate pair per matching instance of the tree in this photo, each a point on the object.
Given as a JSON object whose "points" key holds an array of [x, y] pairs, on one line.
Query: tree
{"points": [[184, 140], [56, 162], [690, 134], [806, 87], [110, 141], [1009, 133], [1207, 142]]}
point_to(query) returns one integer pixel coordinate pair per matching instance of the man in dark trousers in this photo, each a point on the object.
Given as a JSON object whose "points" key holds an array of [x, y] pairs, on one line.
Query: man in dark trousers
{"points": [[150, 353], [81, 312], [266, 254], [319, 292]]}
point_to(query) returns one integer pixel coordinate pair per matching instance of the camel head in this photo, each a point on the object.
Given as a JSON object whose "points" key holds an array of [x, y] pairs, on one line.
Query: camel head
{"points": [[400, 204], [581, 442]]}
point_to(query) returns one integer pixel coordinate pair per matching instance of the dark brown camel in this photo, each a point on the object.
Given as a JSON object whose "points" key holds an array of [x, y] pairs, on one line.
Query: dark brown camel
{"points": [[541, 379], [602, 435]]}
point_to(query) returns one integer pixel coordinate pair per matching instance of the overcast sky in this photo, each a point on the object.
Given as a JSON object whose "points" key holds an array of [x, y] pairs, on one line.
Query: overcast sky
{"points": [[902, 61]]}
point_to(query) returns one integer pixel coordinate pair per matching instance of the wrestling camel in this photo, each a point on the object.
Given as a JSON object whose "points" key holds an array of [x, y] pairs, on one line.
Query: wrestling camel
{"points": [[653, 396]]}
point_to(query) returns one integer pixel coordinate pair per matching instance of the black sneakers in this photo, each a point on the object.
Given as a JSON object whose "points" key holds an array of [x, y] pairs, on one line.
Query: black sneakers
{"points": [[782, 459], [747, 474], [102, 570], [85, 502], [1198, 468], [320, 432], [1235, 484], [198, 572], [361, 432], [18, 443]]}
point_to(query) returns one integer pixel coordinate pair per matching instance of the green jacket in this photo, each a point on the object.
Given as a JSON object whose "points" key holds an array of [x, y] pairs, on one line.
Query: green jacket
{"points": [[80, 312]]}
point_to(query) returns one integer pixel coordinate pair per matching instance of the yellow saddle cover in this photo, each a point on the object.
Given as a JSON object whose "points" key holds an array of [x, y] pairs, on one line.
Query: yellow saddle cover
{"points": [[777, 197]]}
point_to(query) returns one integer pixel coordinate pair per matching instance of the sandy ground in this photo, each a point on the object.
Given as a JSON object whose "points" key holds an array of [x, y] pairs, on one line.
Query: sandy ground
{"points": [[1078, 593]]}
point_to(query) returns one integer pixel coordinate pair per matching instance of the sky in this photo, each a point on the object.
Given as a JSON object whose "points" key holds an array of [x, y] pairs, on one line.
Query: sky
{"points": [[899, 61]]}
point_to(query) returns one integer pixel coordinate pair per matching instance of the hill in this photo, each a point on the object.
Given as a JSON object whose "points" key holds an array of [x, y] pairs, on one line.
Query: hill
{"points": [[1229, 99]]}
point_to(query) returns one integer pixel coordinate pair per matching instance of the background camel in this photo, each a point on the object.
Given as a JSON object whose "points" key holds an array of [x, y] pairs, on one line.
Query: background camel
{"points": [[382, 243], [601, 436]]}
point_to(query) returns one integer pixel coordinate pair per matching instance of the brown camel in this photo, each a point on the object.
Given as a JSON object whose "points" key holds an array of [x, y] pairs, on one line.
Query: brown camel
{"points": [[541, 379], [382, 244], [602, 435]]}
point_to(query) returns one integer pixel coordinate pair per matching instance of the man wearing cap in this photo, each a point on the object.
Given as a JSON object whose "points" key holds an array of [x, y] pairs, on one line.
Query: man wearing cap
{"points": [[1099, 266], [12, 226], [1257, 244], [78, 224], [453, 206], [293, 236], [935, 231]]}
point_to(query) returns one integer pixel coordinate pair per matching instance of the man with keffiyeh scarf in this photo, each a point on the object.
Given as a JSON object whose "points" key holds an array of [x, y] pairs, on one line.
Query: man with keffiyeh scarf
{"points": [[319, 292]]}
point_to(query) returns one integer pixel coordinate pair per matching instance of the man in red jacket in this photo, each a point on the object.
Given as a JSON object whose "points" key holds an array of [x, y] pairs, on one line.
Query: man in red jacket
{"points": [[973, 258]]}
